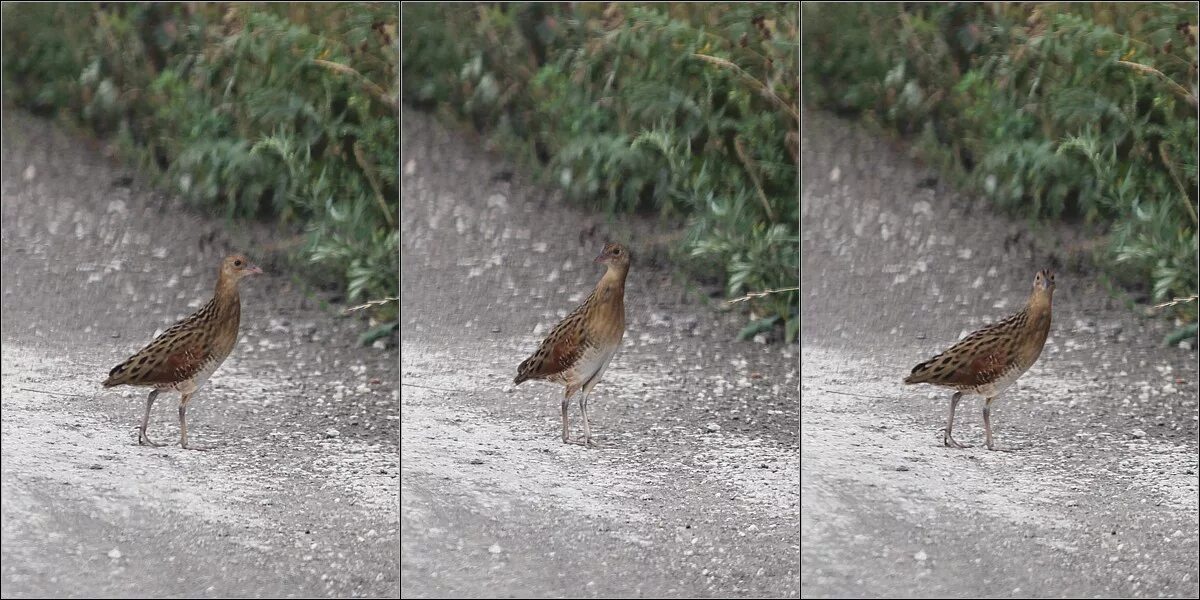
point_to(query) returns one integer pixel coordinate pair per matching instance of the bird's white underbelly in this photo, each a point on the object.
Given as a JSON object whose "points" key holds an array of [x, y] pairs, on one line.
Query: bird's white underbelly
{"points": [[1001, 383], [193, 383], [592, 364]]}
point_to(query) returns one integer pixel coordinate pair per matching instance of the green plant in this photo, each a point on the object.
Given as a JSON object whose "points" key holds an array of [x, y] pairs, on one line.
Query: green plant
{"points": [[281, 112], [1054, 111], [678, 110]]}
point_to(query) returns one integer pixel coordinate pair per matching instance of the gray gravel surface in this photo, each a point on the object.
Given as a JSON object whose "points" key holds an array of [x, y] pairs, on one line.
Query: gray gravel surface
{"points": [[1097, 496], [693, 490], [297, 498]]}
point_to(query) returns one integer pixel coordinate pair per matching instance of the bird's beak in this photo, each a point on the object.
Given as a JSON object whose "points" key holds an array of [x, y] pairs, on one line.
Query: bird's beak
{"points": [[254, 270], [603, 258]]}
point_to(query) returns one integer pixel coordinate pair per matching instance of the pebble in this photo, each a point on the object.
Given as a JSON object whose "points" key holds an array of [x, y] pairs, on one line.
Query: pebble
{"points": [[921, 556], [1138, 433], [332, 433], [495, 549], [712, 427], [114, 554]]}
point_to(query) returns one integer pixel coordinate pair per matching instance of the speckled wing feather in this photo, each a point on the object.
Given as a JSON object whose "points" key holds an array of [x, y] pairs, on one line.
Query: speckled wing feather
{"points": [[976, 359], [560, 350], [177, 354]]}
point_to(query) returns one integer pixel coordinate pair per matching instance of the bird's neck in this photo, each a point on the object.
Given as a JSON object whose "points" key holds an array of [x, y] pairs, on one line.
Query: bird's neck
{"points": [[613, 282], [225, 298], [1039, 302], [1038, 310]]}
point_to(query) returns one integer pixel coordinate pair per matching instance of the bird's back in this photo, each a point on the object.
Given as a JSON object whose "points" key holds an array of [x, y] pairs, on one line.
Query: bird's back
{"points": [[989, 359], [190, 349]]}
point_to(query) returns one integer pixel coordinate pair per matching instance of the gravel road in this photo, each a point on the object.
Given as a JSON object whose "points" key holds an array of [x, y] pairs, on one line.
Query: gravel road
{"points": [[1098, 496], [298, 496], [693, 489]]}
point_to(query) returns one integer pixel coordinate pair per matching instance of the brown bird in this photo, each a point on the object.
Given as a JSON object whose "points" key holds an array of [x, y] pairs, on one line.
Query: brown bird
{"points": [[578, 349], [183, 357], [991, 359]]}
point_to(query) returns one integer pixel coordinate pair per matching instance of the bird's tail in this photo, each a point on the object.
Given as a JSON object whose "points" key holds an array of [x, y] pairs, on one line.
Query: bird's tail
{"points": [[118, 375], [920, 373], [524, 371]]}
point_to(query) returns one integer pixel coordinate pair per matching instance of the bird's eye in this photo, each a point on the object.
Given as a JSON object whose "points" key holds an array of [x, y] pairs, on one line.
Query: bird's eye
{"points": [[237, 263], [616, 252]]}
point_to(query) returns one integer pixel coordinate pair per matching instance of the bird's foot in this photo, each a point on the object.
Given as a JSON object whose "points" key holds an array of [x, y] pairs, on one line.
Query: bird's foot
{"points": [[952, 443], [998, 449], [585, 442], [144, 440], [187, 446]]}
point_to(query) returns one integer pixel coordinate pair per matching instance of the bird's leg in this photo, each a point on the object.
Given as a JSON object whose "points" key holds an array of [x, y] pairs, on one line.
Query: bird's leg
{"points": [[183, 424], [949, 439], [565, 402], [143, 439], [987, 422], [587, 426]]}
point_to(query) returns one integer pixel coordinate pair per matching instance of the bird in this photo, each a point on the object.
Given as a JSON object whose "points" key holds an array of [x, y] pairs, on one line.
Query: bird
{"points": [[579, 349], [184, 356], [990, 360]]}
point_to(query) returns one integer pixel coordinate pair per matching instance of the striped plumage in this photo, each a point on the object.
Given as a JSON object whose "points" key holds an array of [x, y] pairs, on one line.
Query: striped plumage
{"points": [[988, 361], [577, 351], [184, 356]]}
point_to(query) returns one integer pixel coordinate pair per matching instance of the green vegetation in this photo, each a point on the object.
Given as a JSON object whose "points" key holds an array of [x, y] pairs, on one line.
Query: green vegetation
{"points": [[683, 110], [275, 111], [1084, 112]]}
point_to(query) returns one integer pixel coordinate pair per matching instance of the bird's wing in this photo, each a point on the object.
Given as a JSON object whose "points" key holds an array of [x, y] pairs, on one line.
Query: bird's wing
{"points": [[560, 350], [181, 349], [974, 360]]}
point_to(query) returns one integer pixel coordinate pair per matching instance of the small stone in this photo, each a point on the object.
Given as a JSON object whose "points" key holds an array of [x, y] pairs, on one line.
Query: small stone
{"points": [[921, 556], [712, 427], [476, 461], [1185, 345], [332, 433], [1138, 433], [114, 554], [902, 468], [495, 549]]}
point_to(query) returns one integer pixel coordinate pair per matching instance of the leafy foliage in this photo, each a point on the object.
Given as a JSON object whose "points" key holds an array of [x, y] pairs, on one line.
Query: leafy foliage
{"points": [[281, 111], [673, 109], [1074, 111]]}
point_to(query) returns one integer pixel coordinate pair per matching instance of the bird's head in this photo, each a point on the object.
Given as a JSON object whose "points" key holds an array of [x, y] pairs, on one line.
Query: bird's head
{"points": [[237, 266], [614, 255], [1043, 282]]}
